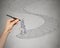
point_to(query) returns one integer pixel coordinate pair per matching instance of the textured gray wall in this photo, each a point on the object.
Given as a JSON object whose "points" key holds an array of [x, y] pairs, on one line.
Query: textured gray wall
{"points": [[48, 41]]}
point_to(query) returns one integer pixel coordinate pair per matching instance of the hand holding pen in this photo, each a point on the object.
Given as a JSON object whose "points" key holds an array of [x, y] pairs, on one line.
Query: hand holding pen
{"points": [[10, 23]]}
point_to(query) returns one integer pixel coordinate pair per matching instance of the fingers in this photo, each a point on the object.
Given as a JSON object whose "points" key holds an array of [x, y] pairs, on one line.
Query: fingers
{"points": [[15, 21]]}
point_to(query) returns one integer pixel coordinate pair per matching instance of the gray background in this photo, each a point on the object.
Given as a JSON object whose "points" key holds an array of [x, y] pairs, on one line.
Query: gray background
{"points": [[48, 41]]}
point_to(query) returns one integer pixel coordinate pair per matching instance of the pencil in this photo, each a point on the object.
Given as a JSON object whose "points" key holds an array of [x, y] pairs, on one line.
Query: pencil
{"points": [[12, 17]]}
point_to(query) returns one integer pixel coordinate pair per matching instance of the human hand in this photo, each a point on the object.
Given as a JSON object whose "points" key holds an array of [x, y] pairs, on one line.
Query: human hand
{"points": [[10, 23]]}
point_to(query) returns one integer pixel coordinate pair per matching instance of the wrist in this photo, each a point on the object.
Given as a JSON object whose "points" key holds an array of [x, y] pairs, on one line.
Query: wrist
{"points": [[6, 31]]}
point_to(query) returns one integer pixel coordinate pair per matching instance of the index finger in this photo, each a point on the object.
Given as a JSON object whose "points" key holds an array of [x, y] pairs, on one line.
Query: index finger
{"points": [[15, 21]]}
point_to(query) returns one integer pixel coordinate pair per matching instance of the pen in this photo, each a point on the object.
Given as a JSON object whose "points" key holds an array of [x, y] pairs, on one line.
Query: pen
{"points": [[12, 17]]}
